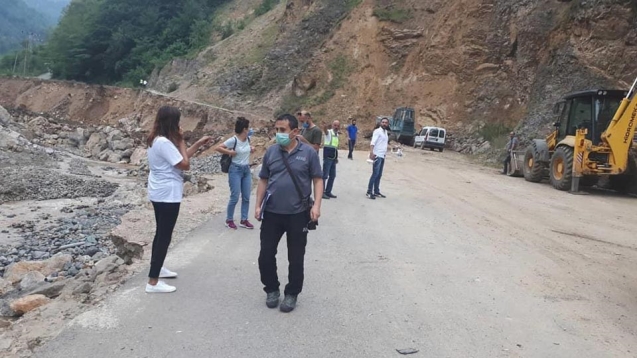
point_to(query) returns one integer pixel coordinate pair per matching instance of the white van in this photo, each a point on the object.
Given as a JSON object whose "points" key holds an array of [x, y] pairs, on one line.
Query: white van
{"points": [[432, 138]]}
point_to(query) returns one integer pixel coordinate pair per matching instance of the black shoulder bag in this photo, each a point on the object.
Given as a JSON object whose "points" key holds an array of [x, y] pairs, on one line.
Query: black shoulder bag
{"points": [[226, 159], [306, 202]]}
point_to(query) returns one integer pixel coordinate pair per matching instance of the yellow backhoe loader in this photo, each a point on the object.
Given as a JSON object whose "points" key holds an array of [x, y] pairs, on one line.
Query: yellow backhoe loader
{"points": [[592, 139]]}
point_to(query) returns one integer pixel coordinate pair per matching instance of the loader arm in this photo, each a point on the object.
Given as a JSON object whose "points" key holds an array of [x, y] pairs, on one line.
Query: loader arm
{"points": [[621, 130]]}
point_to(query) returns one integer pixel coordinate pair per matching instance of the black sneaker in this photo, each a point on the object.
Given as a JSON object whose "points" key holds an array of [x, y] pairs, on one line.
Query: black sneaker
{"points": [[380, 195], [289, 303], [331, 195], [273, 299], [371, 196], [326, 197]]}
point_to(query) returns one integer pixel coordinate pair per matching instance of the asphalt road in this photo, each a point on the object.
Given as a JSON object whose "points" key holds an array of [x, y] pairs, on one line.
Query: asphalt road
{"points": [[457, 262]]}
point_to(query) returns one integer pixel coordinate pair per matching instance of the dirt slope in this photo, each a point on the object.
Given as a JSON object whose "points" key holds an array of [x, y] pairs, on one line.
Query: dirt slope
{"points": [[464, 64]]}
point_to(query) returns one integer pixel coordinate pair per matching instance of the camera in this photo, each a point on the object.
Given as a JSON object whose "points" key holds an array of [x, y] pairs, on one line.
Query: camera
{"points": [[312, 225]]}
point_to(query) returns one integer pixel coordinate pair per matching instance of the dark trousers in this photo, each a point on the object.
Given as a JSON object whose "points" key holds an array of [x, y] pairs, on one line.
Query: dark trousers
{"points": [[377, 173], [273, 227], [329, 174], [165, 218], [352, 144], [507, 162]]}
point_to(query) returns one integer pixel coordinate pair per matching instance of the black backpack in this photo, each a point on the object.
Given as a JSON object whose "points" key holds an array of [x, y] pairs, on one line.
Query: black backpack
{"points": [[226, 160]]}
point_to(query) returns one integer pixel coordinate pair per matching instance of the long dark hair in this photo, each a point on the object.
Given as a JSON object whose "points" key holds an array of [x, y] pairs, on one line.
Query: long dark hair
{"points": [[166, 125]]}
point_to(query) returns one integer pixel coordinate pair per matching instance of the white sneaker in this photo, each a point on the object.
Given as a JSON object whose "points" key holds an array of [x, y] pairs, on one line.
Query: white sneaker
{"points": [[166, 273], [160, 287]]}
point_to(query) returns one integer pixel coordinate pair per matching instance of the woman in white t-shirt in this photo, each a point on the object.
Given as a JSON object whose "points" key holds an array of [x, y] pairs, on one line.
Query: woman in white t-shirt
{"points": [[239, 175], [167, 158]]}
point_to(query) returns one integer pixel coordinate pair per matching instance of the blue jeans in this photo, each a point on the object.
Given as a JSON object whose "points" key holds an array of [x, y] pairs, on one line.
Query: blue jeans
{"points": [[377, 173], [329, 173], [240, 180]]}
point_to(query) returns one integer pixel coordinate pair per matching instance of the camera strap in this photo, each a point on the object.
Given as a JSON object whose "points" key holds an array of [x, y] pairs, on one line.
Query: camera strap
{"points": [[304, 201]]}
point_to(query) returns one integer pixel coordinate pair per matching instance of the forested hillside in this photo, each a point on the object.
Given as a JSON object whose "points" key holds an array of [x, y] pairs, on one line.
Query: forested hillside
{"points": [[18, 21], [111, 41]]}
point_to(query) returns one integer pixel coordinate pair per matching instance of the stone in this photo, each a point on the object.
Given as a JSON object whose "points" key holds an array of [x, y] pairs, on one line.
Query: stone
{"points": [[5, 309], [139, 154], [31, 280], [5, 323], [83, 288], [5, 117], [16, 271], [28, 303], [5, 286], [50, 290], [39, 254], [127, 250], [96, 144], [108, 264], [37, 123], [57, 263], [121, 144]]}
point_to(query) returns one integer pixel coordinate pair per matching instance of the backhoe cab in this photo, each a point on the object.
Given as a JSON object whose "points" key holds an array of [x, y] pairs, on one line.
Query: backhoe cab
{"points": [[592, 139]]}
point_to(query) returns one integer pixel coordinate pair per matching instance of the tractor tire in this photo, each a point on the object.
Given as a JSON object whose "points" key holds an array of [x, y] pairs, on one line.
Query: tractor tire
{"points": [[533, 169], [561, 168]]}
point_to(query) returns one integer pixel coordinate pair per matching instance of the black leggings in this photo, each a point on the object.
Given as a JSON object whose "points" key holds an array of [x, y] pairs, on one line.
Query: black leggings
{"points": [[165, 218]]}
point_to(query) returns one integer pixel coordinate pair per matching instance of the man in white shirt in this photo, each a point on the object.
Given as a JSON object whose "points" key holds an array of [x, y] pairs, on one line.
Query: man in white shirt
{"points": [[377, 153]]}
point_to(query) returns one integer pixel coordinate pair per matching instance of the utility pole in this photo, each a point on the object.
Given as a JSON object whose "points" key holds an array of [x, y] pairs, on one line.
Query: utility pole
{"points": [[15, 62], [26, 53]]}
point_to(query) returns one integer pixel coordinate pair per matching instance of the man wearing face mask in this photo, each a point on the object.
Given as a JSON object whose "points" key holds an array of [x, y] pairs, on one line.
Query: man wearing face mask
{"points": [[310, 133], [284, 206], [377, 153]]}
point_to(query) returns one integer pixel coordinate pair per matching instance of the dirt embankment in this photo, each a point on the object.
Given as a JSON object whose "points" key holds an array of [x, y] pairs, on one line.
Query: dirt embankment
{"points": [[94, 105]]}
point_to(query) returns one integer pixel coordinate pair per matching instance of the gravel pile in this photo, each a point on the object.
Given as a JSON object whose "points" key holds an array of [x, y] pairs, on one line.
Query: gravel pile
{"points": [[206, 165], [84, 236], [44, 184], [79, 167]]}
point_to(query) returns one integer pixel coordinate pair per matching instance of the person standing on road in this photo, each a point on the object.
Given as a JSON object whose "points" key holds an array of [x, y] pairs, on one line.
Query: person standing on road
{"points": [[310, 133], [284, 205], [167, 158], [378, 150], [239, 175], [512, 145], [352, 132], [330, 159]]}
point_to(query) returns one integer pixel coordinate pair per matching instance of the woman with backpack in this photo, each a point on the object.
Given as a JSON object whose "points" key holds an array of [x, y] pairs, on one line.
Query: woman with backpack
{"points": [[238, 148]]}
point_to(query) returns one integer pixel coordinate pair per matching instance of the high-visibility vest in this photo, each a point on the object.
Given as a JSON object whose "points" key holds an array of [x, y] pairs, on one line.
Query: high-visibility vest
{"points": [[331, 139]]}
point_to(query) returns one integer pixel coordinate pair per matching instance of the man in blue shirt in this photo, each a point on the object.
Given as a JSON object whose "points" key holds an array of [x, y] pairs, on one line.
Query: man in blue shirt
{"points": [[352, 131]]}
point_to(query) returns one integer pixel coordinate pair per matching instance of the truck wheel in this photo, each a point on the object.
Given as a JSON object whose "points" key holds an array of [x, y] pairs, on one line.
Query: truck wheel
{"points": [[533, 169], [441, 149], [561, 168], [414, 144]]}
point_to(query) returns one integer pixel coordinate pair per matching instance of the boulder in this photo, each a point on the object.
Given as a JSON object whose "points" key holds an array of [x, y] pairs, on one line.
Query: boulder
{"points": [[121, 144], [108, 264], [28, 303], [50, 290], [31, 280], [83, 288], [139, 155], [127, 153], [15, 272], [109, 156], [96, 144], [5, 117]]}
